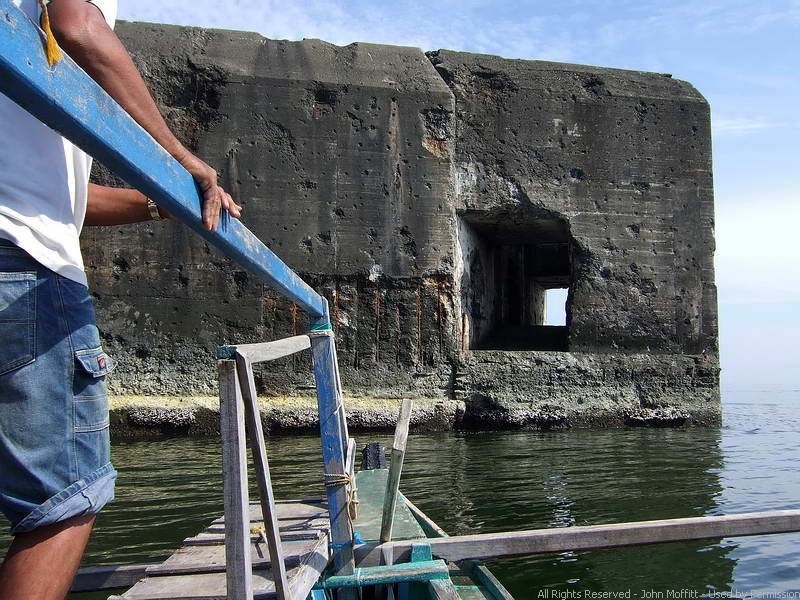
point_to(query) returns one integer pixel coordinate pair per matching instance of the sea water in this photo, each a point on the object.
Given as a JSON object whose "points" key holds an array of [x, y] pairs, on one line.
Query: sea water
{"points": [[170, 489]]}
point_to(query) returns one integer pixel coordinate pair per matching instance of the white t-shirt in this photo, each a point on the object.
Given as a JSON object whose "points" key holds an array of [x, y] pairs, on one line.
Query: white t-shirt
{"points": [[44, 180]]}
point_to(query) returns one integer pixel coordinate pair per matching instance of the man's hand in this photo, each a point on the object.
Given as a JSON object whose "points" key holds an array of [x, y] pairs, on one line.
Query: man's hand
{"points": [[82, 31], [214, 197]]}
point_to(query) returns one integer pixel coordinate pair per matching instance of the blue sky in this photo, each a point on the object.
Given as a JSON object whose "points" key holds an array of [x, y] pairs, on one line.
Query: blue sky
{"points": [[742, 55]]}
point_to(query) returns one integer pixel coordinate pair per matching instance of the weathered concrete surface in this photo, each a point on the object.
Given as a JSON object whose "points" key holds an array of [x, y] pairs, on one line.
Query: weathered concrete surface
{"points": [[339, 158], [148, 416], [433, 200], [625, 159], [620, 161]]}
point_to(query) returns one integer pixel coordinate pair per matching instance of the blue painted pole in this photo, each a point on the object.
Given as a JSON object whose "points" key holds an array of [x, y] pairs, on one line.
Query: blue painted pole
{"points": [[72, 103], [323, 348]]}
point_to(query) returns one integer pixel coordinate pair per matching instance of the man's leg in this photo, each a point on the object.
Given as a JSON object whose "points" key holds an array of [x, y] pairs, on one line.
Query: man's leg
{"points": [[41, 564]]}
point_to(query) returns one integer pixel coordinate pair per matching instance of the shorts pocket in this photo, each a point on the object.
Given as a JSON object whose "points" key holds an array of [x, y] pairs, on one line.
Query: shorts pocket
{"points": [[91, 438], [17, 320], [91, 368], [90, 410]]}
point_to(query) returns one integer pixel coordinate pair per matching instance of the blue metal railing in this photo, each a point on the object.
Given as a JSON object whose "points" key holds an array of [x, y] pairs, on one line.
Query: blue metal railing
{"points": [[72, 103]]}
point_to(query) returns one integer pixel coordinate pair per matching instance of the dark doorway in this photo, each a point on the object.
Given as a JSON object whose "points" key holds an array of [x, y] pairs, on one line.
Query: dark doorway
{"points": [[510, 264]]}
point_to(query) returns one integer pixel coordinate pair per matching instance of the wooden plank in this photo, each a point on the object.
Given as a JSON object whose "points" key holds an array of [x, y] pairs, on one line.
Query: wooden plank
{"points": [[217, 567], [324, 352], [107, 577], [196, 569], [266, 495], [72, 103], [306, 553], [266, 351], [306, 576], [199, 586], [288, 528], [350, 469], [395, 469], [372, 492], [212, 556], [443, 590], [286, 512], [472, 592], [212, 586], [540, 541], [218, 539], [286, 524], [344, 433], [350, 458], [481, 574], [403, 423], [234, 465]]}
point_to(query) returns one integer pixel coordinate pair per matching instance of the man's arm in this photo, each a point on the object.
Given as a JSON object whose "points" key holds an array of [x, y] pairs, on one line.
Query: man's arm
{"points": [[117, 206], [84, 34]]}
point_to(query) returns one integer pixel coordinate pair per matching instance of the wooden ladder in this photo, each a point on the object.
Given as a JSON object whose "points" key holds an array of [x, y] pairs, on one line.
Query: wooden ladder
{"points": [[239, 416]]}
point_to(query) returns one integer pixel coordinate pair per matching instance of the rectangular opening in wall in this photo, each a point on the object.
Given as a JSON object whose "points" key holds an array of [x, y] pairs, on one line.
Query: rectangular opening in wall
{"points": [[515, 266], [555, 307]]}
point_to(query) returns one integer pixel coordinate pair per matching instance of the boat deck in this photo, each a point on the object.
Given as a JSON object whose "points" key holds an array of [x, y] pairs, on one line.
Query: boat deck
{"points": [[197, 569], [470, 579]]}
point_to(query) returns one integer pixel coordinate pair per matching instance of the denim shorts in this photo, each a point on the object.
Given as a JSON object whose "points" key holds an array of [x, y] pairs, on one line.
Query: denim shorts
{"points": [[54, 444]]}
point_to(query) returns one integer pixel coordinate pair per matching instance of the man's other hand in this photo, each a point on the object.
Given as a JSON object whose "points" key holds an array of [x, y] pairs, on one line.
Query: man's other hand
{"points": [[82, 31], [214, 197]]}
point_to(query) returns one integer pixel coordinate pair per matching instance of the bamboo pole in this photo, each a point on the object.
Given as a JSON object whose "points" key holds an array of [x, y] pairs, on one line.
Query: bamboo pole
{"points": [[403, 573], [541, 541]]}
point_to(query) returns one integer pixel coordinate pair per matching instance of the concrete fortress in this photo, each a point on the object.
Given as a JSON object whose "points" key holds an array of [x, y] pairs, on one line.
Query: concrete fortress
{"points": [[433, 199]]}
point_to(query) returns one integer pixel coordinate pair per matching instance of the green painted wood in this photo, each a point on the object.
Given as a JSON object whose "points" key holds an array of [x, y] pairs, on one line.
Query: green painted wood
{"points": [[482, 575], [472, 592], [371, 492], [420, 552], [384, 575]]}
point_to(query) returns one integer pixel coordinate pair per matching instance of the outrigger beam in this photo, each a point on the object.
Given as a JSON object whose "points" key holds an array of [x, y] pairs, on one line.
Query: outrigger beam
{"points": [[543, 541]]}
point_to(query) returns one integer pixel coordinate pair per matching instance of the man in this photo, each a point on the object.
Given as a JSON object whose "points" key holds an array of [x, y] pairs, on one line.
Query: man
{"points": [[55, 469]]}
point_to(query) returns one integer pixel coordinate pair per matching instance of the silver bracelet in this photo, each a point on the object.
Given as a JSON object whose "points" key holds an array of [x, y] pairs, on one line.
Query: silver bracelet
{"points": [[152, 208]]}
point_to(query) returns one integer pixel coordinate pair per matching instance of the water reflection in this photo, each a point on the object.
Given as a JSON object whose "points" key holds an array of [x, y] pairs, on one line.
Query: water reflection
{"points": [[516, 480]]}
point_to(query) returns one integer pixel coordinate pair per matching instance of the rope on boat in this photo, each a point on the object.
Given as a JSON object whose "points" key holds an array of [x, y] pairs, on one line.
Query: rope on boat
{"points": [[337, 479]]}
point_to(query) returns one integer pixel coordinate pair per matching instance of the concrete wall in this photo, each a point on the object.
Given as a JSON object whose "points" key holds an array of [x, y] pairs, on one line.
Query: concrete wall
{"points": [[384, 176]]}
